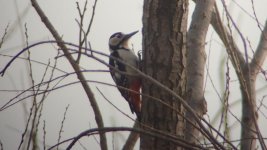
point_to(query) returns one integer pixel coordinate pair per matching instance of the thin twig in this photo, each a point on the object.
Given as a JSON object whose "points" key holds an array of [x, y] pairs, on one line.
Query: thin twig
{"points": [[237, 29], [6, 105], [44, 136], [162, 136], [80, 76], [102, 94], [132, 138], [91, 21], [62, 124], [226, 103], [4, 35], [35, 61], [138, 72], [26, 128], [1, 145], [246, 83], [81, 14], [255, 16]]}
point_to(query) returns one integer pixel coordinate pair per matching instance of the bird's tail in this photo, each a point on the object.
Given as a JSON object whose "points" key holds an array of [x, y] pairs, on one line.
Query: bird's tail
{"points": [[135, 100]]}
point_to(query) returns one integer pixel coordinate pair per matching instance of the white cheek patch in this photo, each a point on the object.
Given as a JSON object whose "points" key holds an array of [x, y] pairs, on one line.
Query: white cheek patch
{"points": [[114, 41]]}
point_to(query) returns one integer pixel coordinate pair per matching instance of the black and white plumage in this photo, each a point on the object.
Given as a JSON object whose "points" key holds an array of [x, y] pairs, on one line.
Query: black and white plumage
{"points": [[119, 49]]}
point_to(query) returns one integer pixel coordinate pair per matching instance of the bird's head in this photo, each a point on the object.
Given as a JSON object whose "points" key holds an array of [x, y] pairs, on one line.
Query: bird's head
{"points": [[119, 40]]}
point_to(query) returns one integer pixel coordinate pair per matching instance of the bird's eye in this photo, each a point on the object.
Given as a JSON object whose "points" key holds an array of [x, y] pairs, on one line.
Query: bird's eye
{"points": [[118, 35]]}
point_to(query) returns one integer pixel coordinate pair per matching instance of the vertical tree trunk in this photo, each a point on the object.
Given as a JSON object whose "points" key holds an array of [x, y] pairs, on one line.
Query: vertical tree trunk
{"points": [[249, 113], [196, 59], [250, 131], [164, 38]]}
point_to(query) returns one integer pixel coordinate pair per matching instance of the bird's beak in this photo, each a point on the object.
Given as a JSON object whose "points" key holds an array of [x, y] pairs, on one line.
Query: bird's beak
{"points": [[127, 36]]}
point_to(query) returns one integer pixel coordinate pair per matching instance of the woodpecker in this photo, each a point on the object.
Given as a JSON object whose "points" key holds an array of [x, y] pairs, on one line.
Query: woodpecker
{"points": [[127, 77]]}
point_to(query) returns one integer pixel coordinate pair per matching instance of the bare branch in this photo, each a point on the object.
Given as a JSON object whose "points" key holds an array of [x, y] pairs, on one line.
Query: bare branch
{"points": [[4, 35], [44, 136], [162, 136], [132, 138], [80, 76], [196, 58], [255, 16], [231, 47], [149, 78], [91, 20], [261, 52], [237, 29], [62, 123], [1, 145], [81, 14], [242, 68]]}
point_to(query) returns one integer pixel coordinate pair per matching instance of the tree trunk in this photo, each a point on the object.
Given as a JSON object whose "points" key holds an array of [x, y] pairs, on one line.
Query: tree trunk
{"points": [[164, 38], [196, 59], [248, 132]]}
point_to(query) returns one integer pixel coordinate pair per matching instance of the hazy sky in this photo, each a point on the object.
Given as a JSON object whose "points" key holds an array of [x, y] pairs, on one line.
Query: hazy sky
{"points": [[111, 16]]}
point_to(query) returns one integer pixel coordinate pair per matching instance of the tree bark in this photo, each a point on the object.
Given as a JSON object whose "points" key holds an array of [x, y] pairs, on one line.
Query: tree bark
{"points": [[249, 113], [164, 38], [196, 59]]}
